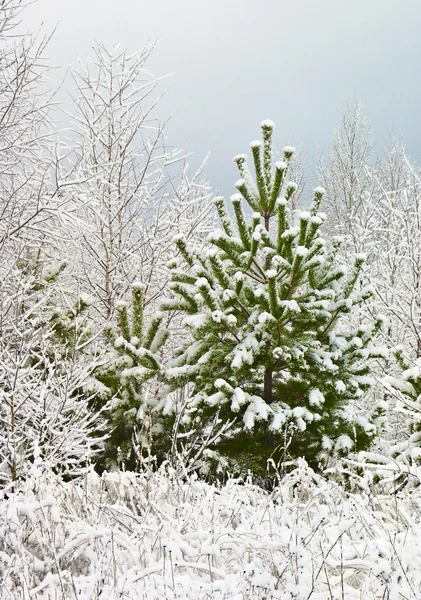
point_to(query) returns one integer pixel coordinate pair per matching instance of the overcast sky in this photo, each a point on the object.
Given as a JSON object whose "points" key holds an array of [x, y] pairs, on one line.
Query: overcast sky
{"points": [[236, 62]]}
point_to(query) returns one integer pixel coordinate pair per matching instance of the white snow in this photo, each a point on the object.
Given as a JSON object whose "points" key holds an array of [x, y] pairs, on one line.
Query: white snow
{"points": [[267, 123], [238, 399], [239, 276], [316, 398], [301, 251], [228, 295], [217, 316], [292, 232], [265, 317], [344, 442], [340, 386], [53, 270], [179, 236], [256, 410], [196, 321], [87, 299], [259, 292], [153, 535], [221, 383], [215, 236], [236, 197], [202, 282], [290, 305], [118, 342], [327, 443]]}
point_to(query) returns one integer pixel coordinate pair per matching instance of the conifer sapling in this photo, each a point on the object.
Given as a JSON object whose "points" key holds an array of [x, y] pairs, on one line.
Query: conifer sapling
{"points": [[121, 381], [264, 306]]}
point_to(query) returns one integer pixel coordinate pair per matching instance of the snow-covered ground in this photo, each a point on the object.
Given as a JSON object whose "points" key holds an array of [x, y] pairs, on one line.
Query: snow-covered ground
{"points": [[138, 537]]}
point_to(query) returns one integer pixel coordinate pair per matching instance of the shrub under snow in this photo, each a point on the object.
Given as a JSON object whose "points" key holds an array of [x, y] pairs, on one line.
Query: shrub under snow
{"points": [[155, 537]]}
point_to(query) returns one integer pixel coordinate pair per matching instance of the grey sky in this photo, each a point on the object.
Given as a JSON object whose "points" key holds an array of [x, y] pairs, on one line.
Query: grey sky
{"points": [[236, 62]]}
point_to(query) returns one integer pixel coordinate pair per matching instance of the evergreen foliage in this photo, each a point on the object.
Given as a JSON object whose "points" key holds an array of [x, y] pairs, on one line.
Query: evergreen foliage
{"points": [[270, 352], [64, 324], [119, 384]]}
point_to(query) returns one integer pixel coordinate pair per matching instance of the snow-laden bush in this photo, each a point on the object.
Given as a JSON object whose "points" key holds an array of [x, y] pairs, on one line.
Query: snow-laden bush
{"points": [[152, 536], [400, 466], [44, 333]]}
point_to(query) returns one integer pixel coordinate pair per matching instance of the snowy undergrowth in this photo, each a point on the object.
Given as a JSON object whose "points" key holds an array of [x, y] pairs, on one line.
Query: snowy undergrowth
{"points": [[156, 537]]}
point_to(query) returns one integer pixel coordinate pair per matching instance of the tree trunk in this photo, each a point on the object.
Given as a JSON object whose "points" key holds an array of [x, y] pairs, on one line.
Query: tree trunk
{"points": [[268, 398], [267, 390]]}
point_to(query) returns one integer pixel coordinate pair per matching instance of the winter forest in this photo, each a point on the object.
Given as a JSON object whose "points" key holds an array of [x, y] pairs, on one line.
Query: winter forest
{"points": [[201, 397]]}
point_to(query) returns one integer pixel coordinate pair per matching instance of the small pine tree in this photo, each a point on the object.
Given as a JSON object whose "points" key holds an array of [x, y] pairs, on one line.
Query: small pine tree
{"points": [[119, 384], [269, 351]]}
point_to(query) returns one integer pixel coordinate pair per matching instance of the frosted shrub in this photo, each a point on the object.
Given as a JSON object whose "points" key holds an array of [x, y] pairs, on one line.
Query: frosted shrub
{"points": [[152, 536]]}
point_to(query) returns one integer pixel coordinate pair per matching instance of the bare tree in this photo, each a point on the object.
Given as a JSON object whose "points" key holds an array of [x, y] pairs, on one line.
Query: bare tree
{"points": [[25, 131], [42, 414], [134, 191], [347, 179], [396, 269], [45, 417], [377, 203]]}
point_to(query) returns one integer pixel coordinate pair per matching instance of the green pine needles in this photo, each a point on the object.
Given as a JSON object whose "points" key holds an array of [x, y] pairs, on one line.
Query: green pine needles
{"points": [[270, 352], [126, 384]]}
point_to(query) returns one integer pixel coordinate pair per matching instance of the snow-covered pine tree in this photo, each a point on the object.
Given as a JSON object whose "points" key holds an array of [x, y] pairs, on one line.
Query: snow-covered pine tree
{"points": [[123, 384], [264, 306]]}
